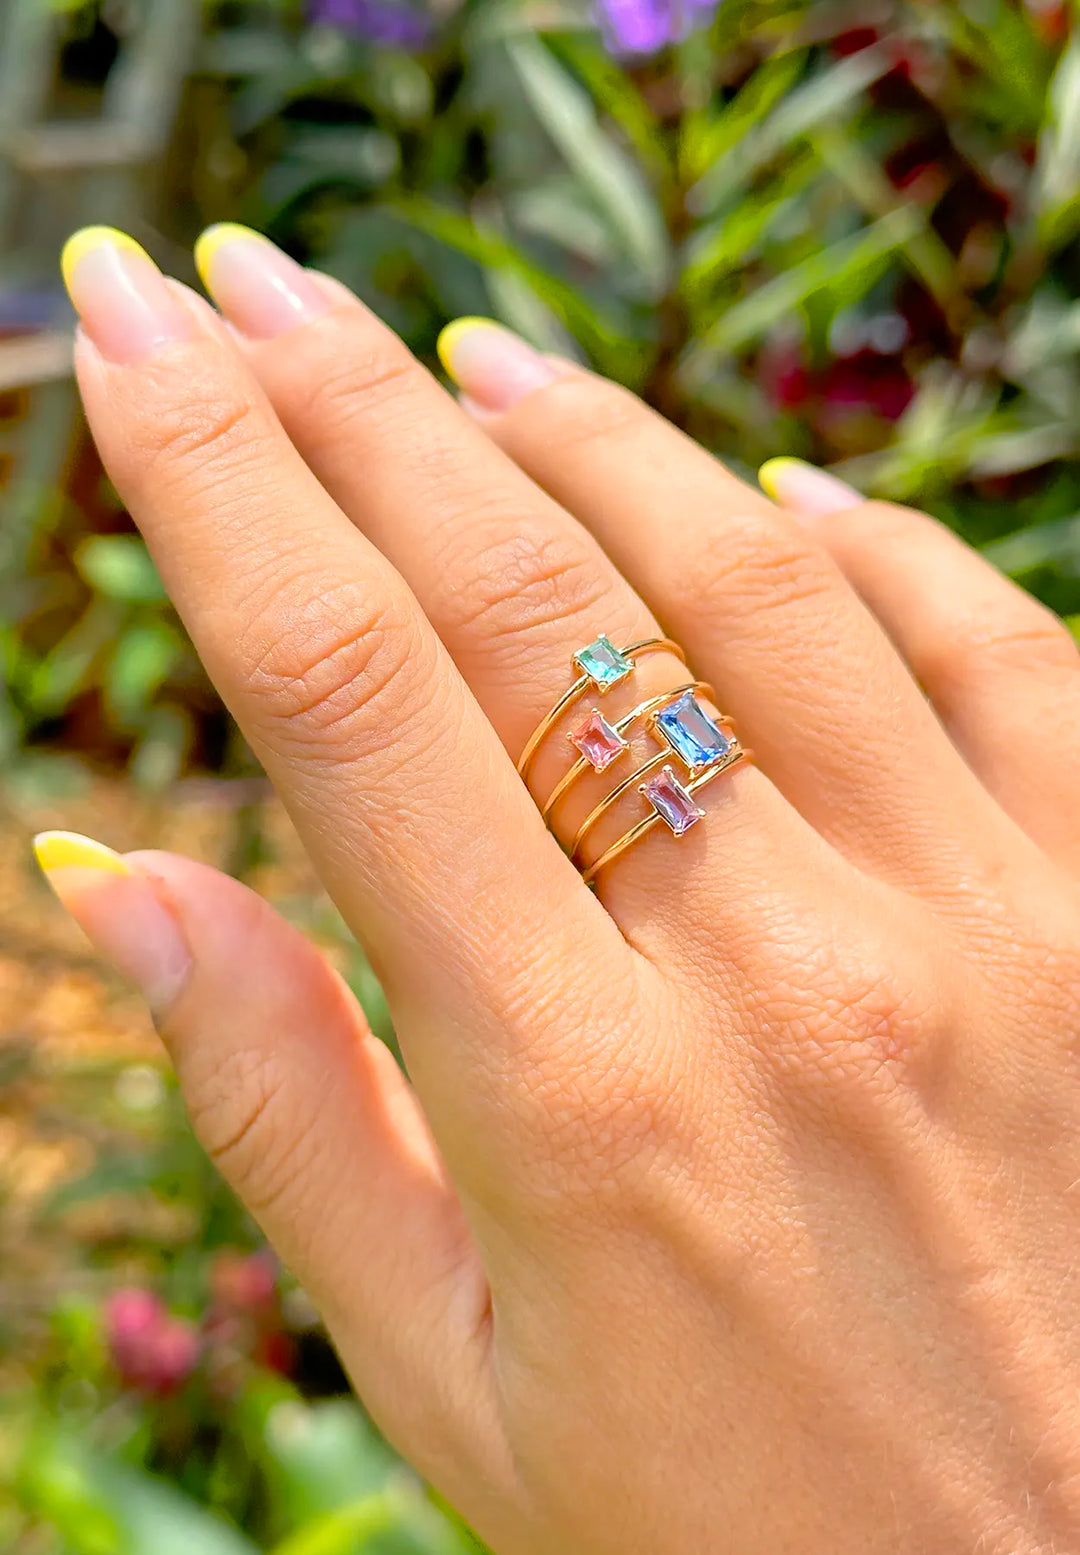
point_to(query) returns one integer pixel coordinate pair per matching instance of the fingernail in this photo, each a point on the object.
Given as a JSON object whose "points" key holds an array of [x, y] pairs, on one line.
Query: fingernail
{"points": [[801, 486], [258, 287], [120, 912], [120, 294], [492, 366]]}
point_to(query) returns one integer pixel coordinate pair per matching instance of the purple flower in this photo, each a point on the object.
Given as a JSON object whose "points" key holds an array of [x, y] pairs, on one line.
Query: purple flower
{"points": [[644, 26], [378, 21]]}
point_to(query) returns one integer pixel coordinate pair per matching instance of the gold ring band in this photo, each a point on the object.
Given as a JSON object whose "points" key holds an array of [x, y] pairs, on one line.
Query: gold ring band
{"points": [[582, 684], [635, 833], [583, 765], [616, 794], [696, 745]]}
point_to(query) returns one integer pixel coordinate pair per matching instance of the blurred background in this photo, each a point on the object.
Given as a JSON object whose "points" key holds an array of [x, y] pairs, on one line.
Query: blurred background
{"points": [[848, 231]]}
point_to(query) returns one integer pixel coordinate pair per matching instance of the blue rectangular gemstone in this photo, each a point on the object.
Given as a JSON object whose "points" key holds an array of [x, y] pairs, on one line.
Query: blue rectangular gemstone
{"points": [[603, 663], [695, 738]]}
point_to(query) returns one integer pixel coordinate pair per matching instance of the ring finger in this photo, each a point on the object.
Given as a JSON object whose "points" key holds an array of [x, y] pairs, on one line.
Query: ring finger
{"points": [[840, 724], [513, 584]]}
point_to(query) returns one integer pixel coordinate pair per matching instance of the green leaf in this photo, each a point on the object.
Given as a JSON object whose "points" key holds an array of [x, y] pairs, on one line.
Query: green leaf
{"points": [[1057, 168], [847, 269], [165, 739], [615, 94], [1056, 544], [55, 680], [1012, 64], [748, 140], [119, 567], [613, 180], [144, 656], [864, 179], [708, 137], [601, 337], [316, 1457], [102, 1507], [347, 1530], [734, 239]]}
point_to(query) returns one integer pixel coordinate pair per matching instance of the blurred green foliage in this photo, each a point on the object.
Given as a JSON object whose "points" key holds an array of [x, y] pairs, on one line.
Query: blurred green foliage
{"points": [[849, 232]]}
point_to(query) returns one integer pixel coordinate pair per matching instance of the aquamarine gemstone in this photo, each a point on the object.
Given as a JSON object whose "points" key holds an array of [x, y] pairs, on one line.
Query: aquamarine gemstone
{"points": [[695, 738], [603, 663]]}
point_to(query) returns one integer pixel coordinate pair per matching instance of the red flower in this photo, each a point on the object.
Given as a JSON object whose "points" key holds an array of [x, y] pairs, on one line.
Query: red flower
{"points": [[870, 381], [243, 1281]]}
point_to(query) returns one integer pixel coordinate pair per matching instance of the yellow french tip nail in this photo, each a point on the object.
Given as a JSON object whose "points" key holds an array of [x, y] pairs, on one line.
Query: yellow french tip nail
{"points": [[208, 243], [68, 849], [88, 238], [452, 336], [772, 472]]}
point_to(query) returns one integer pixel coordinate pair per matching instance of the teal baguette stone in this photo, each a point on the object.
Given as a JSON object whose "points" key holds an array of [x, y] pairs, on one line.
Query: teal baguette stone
{"points": [[603, 663]]}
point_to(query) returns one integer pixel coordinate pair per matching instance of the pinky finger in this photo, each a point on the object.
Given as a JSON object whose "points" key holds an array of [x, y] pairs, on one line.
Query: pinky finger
{"points": [[308, 1117], [1002, 671]]}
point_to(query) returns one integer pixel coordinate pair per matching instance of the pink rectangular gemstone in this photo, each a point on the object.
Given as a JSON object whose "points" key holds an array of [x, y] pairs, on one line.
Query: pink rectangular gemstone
{"points": [[671, 801], [598, 742]]}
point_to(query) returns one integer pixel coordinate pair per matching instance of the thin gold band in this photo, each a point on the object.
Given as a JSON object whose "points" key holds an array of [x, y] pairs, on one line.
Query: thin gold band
{"points": [[637, 832], [578, 689], [616, 794], [583, 765]]}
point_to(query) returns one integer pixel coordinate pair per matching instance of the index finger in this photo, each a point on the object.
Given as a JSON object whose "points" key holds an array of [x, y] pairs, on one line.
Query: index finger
{"points": [[418, 823]]}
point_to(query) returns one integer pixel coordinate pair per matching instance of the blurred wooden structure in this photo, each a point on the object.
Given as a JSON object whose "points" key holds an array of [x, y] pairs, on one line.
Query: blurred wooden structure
{"points": [[70, 153]]}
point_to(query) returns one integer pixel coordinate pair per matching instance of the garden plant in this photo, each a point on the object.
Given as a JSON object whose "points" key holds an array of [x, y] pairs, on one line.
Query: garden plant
{"points": [[845, 232]]}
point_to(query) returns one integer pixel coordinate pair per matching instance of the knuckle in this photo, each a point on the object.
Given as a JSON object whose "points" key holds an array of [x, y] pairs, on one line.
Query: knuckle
{"points": [[596, 1100], [366, 374], [527, 577], [602, 1140], [323, 667], [857, 1036], [1038, 640], [592, 410], [751, 557], [200, 424], [244, 1114], [1028, 639]]}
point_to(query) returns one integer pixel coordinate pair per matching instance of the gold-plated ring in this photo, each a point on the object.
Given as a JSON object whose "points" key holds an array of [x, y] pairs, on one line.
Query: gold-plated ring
{"points": [[734, 758], [583, 765], [643, 771], [583, 683]]}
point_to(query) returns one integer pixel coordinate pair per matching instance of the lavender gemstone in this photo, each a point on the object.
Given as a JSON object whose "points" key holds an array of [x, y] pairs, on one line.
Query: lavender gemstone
{"points": [[598, 742], [671, 801], [695, 738]]}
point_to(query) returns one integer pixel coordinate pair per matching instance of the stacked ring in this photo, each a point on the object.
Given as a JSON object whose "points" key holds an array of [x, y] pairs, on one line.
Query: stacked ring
{"points": [[601, 666], [694, 748]]}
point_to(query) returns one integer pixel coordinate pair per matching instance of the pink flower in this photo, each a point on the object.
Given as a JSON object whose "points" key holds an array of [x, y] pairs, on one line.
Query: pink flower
{"points": [[153, 1351]]}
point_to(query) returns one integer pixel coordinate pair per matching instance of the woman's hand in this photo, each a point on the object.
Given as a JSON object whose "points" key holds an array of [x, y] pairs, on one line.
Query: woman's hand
{"points": [[734, 1208]]}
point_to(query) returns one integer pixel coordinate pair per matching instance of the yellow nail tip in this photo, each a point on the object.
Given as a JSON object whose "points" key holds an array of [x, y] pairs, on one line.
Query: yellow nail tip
{"points": [[87, 239], [209, 242], [68, 849], [773, 471], [454, 333]]}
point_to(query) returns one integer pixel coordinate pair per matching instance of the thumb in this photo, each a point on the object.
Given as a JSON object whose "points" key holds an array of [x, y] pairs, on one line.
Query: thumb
{"points": [[310, 1120]]}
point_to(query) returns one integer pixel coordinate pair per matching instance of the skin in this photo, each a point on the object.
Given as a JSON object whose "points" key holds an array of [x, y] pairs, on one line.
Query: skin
{"points": [[733, 1208]]}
